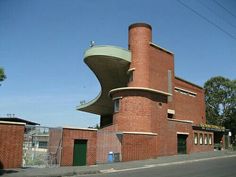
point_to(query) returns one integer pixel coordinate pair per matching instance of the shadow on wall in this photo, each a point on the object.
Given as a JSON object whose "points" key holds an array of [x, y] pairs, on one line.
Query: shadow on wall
{"points": [[3, 171], [1, 165]]}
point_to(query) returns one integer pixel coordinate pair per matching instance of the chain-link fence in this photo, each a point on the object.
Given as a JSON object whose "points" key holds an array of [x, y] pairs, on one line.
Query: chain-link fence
{"points": [[40, 148]]}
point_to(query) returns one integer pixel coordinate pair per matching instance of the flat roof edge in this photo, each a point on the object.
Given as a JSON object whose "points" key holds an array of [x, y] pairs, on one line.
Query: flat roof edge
{"points": [[138, 133], [13, 123], [179, 78], [161, 48], [78, 128]]}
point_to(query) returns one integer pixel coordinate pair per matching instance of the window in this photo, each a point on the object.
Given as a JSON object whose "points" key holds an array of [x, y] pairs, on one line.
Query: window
{"points": [[130, 73], [205, 139], [201, 138], [195, 138], [116, 105], [170, 113], [185, 92], [170, 116], [131, 77], [43, 144], [210, 139], [192, 95]]}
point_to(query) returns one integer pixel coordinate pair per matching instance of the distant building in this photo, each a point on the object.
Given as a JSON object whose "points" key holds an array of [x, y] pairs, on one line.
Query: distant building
{"points": [[17, 119]]}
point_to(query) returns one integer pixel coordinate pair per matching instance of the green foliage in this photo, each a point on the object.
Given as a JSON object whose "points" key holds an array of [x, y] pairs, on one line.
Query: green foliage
{"points": [[97, 126], [2, 75], [220, 97]]}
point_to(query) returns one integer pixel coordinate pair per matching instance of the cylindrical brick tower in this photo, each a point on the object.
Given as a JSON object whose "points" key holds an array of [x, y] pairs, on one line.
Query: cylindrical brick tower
{"points": [[140, 36], [136, 100]]}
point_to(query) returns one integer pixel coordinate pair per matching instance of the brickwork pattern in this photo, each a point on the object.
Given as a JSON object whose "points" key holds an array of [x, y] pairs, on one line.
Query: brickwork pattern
{"points": [[138, 147], [160, 63], [139, 38], [107, 141], [175, 128], [69, 135], [187, 107], [11, 145], [138, 111]]}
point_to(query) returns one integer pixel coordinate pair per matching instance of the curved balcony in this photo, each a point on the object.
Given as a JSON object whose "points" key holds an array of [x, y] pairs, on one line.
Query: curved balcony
{"points": [[110, 65]]}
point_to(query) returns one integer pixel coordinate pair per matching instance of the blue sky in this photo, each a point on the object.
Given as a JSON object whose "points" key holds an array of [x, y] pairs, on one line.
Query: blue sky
{"points": [[42, 44]]}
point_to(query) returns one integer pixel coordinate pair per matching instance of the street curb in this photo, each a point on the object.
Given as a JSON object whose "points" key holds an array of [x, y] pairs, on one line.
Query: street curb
{"points": [[112, 170], [120, 167]]}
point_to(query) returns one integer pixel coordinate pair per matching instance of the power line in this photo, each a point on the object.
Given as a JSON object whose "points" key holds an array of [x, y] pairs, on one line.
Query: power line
{"points": [[206, 19], [224, 8], [210, 9]]}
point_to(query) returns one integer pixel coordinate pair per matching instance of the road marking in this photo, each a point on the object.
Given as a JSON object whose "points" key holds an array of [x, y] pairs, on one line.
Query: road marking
{"points": [[112, 170]]}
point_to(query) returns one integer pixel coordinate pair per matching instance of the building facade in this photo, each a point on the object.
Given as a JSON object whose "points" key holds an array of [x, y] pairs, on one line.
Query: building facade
{"points": [[145, 112], [144, 107]]}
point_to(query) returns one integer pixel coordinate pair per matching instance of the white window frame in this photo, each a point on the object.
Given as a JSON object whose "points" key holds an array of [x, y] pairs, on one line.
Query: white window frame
{"points": [[116, 105], [205, 139], [195, 138], [210, 139], [200, 138]]}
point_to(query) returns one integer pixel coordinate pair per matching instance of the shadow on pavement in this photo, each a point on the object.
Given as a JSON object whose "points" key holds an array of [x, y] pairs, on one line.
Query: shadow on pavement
{"points": [[3, 171]]}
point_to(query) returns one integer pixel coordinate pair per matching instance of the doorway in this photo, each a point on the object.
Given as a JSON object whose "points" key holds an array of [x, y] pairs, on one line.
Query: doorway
{"points": [[80, 152], [182, 144]]}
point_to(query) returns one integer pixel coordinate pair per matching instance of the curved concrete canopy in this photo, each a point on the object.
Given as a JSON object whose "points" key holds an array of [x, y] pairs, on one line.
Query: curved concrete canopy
{"points": [[110, 65]]}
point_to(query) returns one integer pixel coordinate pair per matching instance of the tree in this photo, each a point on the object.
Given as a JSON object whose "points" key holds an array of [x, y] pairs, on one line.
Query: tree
{"points": [[2, 75], [220, 97]]}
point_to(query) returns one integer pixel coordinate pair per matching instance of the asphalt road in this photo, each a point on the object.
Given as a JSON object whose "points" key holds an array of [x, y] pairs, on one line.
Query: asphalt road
{"points": [[225, 167]]}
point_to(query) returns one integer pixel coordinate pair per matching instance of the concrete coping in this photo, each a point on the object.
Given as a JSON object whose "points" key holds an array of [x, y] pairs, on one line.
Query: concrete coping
{"points": [[179, 120], [170, 111], [116, 98], [78, 128], [139, 88], [163, 49], [12, 123], [138, 133], [182, 133], [130, 70]]}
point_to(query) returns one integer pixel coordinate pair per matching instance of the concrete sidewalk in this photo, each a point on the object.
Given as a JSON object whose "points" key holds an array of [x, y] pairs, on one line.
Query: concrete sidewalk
{"points": [[115, 167]]}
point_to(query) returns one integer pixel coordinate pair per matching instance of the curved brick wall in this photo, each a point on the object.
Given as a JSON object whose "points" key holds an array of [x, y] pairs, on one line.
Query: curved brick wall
{"points": [[139, 111], [140, 34]]}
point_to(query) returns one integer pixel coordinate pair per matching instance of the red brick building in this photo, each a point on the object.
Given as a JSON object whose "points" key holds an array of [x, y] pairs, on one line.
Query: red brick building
{"points": [[146, 111], [149, 111]]}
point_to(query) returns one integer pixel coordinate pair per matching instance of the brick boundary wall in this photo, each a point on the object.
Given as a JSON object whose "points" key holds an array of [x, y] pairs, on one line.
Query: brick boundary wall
{"points": [[11, 144]]}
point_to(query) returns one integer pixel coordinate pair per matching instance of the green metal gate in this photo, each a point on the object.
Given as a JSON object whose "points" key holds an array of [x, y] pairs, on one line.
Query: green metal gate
{"points": [[182, 146], [80, 152]]}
